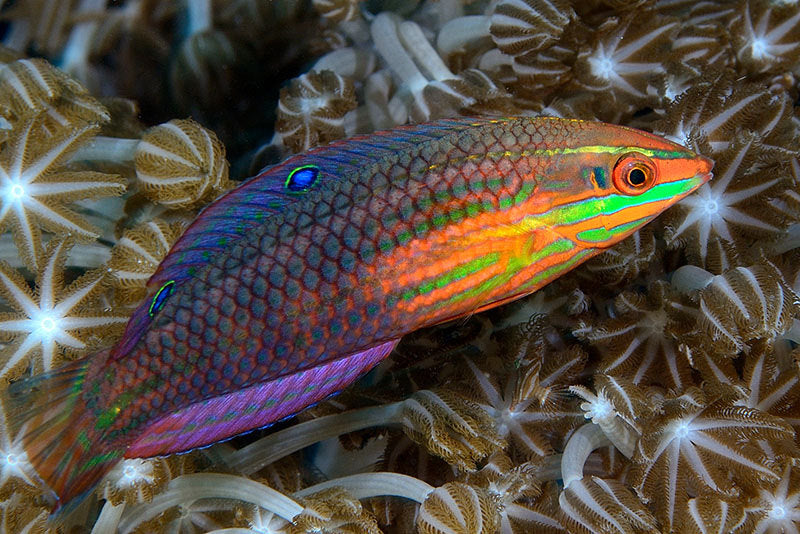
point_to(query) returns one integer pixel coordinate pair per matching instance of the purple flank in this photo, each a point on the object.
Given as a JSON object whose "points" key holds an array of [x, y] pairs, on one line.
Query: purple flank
{"points": [[223, 417]]}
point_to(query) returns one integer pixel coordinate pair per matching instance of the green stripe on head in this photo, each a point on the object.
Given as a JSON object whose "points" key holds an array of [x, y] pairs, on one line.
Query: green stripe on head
{"points": [[556, 270], [598, 235], [585, 209], [657, 193], [605, 149]]}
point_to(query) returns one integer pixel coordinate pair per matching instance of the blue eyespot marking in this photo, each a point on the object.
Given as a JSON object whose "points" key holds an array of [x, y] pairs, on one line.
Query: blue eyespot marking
{"points": [[600, 177], [302, 178], [596, 174], [161, 297]]}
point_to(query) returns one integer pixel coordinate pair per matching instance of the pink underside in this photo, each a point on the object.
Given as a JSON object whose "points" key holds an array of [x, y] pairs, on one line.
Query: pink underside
{"points": [[253, 407]]}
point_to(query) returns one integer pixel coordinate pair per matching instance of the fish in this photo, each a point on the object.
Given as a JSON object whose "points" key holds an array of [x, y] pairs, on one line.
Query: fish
{"points": [[289, 287]]}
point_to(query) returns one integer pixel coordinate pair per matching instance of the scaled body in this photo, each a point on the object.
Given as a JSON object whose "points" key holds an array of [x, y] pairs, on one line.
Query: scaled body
{"points": [[288, 288]]}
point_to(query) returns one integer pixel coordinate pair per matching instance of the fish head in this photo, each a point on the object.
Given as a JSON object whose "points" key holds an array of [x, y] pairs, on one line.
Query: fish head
{"points": [[623, 178]]}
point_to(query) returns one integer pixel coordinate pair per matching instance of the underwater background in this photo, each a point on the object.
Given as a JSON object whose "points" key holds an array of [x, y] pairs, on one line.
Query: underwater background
{"points": [[653, 389]]}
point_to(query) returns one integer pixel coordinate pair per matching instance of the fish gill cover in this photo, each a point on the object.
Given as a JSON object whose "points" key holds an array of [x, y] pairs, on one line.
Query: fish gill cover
{"points": [[653, 389]]}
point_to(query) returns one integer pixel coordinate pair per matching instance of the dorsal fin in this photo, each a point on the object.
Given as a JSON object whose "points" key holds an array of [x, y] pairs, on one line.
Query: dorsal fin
{"points": [[237, 212]]}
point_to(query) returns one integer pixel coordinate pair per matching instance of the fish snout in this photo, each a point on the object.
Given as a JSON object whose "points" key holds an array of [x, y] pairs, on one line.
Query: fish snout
{"points": [[704, 167], [699, 173]]}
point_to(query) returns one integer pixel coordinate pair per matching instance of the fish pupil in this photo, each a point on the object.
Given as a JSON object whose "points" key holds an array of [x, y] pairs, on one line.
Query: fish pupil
{"points": [[302, 178], [161, 296], [637, 177]]}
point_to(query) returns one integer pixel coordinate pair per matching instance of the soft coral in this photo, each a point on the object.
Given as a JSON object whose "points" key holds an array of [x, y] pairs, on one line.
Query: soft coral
{"points": [[705, 441]]}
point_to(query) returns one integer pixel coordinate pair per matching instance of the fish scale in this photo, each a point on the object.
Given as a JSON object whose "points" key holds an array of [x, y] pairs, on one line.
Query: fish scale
{"points": [[288, 288]]}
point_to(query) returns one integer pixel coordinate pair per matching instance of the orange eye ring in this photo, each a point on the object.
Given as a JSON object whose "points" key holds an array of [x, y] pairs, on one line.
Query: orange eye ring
{"points": [[633, 174]]}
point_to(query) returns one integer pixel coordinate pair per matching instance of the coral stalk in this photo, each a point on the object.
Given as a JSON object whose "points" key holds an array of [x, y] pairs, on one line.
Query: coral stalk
{"points": [[580, 445], [107, 149], [109, 518], [199, 16], [272, 448], [419, 47], [389, 46], [75, 58], [366, 485], [188, 488], [460, 33], [690, 277]]}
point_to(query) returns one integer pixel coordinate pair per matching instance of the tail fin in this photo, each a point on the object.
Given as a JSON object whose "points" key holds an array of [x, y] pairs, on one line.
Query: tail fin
{"points": [[49, 413]]}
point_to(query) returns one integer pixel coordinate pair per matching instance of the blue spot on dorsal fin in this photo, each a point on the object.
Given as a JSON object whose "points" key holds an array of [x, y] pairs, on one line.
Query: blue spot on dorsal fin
{"points": [[301, 179], [141, 320], [161, 297]]}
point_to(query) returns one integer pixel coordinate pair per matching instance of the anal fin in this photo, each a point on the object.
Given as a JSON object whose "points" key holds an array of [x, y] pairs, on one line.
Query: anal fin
{"points": [[223, 417]]}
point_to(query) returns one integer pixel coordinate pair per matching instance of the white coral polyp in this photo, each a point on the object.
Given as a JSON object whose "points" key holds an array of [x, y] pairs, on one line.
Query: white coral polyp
{"points": [[131, 473], [681, 430], [764, 44], [16, 192], [14, 463], [602, 65], [760, 50], [778, 511], [599, 409], [308, 106], [48, 326]]}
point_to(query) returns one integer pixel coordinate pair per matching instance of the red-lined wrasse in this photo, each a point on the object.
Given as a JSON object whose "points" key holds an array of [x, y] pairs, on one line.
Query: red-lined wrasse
{"points": [[291, 286]]}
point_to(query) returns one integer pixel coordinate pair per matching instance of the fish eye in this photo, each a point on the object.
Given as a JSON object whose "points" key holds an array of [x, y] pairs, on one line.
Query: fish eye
{"points": [[634, 173]]}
